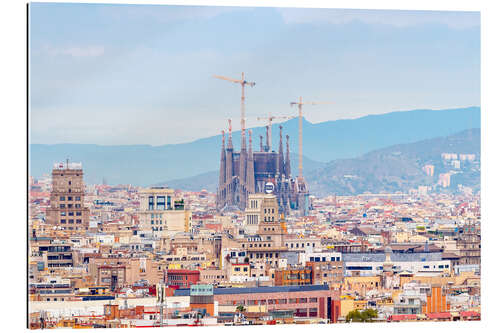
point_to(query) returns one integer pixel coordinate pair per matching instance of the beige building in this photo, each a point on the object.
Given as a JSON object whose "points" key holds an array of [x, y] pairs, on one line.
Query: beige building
{"points": [[161, 213], [66, 199], [260, 208]]}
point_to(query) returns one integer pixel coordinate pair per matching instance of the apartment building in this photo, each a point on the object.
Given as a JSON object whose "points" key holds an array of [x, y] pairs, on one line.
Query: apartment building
{"points": [[163, 214], [67, 209]]}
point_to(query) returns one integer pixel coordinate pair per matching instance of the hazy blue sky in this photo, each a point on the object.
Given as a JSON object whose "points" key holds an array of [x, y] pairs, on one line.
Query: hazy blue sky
{"points": [[129, 74]]}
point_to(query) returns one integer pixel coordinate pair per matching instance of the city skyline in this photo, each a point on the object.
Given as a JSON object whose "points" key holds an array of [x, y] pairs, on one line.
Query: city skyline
{"points": [[103, 91]]}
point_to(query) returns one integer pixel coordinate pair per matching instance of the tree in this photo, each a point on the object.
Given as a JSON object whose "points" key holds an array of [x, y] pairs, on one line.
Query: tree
{"points": [[240, 308], [361, 317]]}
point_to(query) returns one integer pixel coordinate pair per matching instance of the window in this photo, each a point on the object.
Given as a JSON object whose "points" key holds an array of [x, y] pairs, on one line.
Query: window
{"points": [[71, 213], [78, 213], [62, 198], [160, 203], [77, 199], [63, 213], [78, 221], [70, 206], [69, 182], [71, 221], [151, 203], [62, 206], [63, 220], [78, 206], [70, 198]]}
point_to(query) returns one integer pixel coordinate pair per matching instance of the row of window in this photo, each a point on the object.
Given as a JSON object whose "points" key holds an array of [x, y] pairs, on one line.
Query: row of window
{"points": [[70, 206], [297, 245], [69, 198], [299, 276], [70, 221], [160, 203], [261, 255], [252, 219], [323, 259], [238, 269], [275, 301], [259, 245], [64, 213]]}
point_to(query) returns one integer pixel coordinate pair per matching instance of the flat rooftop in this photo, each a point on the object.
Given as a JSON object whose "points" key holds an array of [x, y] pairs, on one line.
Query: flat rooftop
{"points": [[259, 290]]}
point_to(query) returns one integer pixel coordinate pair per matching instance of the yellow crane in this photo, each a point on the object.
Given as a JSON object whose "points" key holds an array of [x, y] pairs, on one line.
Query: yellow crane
{"points": [[270, 120], [299, 104], [243, 83]]}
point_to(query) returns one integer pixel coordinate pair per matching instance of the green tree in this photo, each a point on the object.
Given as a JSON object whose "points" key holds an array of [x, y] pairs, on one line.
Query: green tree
{"points": [[361, 316], [240, 308]]}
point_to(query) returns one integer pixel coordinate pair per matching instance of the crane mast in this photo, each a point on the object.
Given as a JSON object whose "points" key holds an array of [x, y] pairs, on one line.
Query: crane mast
{"points": [[243, 83], [299, 104]]}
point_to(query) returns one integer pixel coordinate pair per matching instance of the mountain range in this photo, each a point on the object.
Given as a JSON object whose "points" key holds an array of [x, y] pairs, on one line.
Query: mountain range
{"points": [[323, 143]]}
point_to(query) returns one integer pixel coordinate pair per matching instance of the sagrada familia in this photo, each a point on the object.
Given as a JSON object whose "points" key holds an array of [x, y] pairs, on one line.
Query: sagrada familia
{"points": [[264, 171]]}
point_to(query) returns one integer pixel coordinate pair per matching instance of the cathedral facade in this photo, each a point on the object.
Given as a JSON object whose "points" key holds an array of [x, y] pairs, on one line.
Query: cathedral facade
{"points": [[264, 171]]}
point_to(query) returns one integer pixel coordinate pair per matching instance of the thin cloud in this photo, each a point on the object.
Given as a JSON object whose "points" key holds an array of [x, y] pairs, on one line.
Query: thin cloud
{"points": [[397, 18], [165, 14], [91, 51]]}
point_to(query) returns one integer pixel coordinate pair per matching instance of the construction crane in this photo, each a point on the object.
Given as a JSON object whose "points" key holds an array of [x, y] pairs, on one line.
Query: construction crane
{"points": [[270, 120], [243, 83], [299, 104]]}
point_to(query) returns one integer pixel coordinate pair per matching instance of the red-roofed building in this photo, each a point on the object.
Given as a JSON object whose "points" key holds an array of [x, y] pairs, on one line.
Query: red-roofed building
{"points": [[403, 317], [470, 315], [440, 316], [182, 278]]}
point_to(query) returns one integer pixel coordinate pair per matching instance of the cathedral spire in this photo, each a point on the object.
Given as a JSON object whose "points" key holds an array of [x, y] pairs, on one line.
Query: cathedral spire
{"points": [[281, 160], [287, 162], [230, 136], [222, 170], [250, 169], [267, 148]]}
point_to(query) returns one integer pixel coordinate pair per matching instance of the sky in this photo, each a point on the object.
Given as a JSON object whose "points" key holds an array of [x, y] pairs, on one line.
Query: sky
{"points": [[143, 74]]}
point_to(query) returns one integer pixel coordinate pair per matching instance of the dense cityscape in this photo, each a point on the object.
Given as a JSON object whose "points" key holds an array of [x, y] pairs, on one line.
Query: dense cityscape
{"points": [[362, 215], [125, 256]]}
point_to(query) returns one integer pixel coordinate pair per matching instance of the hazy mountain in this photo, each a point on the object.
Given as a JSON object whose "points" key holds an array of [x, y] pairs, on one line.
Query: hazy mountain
{"points": [[326, 141], [399, 167]]}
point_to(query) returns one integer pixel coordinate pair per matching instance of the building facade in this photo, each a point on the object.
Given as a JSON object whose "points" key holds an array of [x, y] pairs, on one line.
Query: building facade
{"points": [[67, 210], [161, 213]]}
